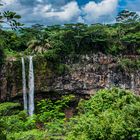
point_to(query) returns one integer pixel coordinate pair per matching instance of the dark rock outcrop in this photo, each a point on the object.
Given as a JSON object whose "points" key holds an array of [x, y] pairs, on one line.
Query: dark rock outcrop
{"points": [[85, 75]]}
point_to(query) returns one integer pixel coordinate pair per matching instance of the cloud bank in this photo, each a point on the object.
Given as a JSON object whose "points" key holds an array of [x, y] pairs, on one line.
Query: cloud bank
{"points": [[95, 12], [66, 11]]}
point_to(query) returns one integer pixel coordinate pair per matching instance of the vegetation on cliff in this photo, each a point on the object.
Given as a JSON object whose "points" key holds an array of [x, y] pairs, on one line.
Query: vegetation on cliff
{"points": [[75, 38], [58, 41], [10, 18]]}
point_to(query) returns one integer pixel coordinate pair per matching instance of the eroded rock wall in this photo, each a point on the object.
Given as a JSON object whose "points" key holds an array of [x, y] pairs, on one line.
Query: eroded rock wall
{"points": [[84, 75]]}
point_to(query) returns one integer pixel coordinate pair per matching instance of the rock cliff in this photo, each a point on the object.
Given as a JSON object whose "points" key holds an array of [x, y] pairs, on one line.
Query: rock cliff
{"points": [[84, 76]]}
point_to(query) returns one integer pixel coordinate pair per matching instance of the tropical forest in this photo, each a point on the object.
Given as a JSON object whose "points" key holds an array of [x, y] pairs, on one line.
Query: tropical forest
{"points": [[69, 70]]}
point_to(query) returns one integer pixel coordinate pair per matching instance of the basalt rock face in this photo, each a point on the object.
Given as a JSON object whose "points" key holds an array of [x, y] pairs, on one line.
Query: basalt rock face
{"points": [[84, 76], [10, 80]]}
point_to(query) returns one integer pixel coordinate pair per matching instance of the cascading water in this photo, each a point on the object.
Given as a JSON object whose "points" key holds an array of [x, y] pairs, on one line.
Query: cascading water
{"points": [[108, 80], [31, 86], [24, 85], [132, 82], [28, 101]]}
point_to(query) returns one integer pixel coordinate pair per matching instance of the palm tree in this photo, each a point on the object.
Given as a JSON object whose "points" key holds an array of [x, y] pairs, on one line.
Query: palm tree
{"points": [[38, 46]]}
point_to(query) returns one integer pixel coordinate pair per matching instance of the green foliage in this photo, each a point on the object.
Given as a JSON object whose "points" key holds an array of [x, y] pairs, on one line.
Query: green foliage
{"points": [[110, 114], [61, 69], [49, 111], [51, 114], [128, 64], [12, 120], [2, 135], [10, 18], [13, 124], [52, 55], [17, 123], [8, 108], [82, 39], [57, 43], [28, 135]]}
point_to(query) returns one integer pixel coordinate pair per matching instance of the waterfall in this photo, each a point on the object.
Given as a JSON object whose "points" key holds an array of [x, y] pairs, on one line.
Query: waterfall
{"points": [[31, 86], [132, 82], [24, 85], [108, 80], [28, 101]]}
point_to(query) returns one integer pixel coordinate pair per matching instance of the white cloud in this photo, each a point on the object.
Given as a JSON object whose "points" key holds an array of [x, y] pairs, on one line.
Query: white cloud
{"points": [[80, 19], [41, 9], [64, 13], [40, 1], [46, 12], [138, 12], [94, 11], [8, 2], [90, 13]]}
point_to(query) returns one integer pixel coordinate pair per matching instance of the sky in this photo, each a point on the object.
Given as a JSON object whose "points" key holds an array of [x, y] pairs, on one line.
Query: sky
{"points": [[52, 12]]}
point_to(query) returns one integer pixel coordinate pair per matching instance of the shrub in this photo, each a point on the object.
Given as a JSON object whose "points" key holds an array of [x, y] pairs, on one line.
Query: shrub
{"points": [[110, 114], [51, 115], [49, 111], [8, 108], [128, 64], [28, 135], [17, 123]]}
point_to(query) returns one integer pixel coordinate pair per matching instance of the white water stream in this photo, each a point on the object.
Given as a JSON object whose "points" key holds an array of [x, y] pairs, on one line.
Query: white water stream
{"points": [[24, 85], [31, 86], [28, 102]]}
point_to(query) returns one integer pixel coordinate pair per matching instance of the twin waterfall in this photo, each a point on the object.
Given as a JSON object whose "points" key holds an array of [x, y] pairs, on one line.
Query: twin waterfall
{"points": [[28, 100], [31, 86], [24, 85]]}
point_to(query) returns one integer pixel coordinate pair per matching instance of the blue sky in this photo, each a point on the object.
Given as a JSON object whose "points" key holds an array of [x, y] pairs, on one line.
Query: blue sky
{"points": [[51, 12]]}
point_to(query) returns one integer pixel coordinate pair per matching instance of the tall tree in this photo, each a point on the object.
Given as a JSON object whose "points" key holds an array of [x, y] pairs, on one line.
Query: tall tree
{"points": [[126, 16], [10, 18]]}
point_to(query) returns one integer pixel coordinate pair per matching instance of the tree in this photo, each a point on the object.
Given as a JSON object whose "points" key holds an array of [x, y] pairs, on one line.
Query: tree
{"points": [[10, 18], [39, 46], [126, 16]]}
